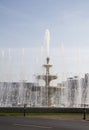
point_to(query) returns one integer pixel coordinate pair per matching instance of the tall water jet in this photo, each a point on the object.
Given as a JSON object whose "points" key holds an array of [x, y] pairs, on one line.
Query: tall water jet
{"points": [[3, 63], [21, 98], [9, 65], [47, 41], [79, 83], [22, 65]]}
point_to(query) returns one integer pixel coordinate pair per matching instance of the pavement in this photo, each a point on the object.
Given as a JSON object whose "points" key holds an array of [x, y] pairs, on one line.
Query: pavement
{"points": [[41, 123]]}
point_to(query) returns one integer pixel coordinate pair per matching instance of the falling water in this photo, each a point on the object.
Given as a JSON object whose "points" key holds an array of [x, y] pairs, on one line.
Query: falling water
{"points": [[72, 92]]}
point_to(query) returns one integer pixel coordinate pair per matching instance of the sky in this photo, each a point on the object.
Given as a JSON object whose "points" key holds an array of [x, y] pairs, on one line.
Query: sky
{"points": [[22, 31]]}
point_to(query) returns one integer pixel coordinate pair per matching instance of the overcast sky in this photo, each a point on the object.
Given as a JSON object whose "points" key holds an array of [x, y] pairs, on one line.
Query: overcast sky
{"points": [[23, 24]]}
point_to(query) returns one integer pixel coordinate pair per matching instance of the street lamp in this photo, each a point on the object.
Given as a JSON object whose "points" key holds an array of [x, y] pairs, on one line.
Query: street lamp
{"points": [[25, 109], [84, 112]]}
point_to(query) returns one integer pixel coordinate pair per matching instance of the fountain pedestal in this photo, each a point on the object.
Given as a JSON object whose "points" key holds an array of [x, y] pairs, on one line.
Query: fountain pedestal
{"points": [[47, 78]]}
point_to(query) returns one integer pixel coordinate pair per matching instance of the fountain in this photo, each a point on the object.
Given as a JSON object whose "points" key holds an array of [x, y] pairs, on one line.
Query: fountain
{"points": [[73, 92], [47, 77]]}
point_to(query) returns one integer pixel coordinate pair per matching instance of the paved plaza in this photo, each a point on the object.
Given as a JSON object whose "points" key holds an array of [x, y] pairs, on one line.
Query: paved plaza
{"points": [[41, 123]]}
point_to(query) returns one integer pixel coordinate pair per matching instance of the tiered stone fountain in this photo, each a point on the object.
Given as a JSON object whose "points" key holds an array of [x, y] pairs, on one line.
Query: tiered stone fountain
{"points": [[47, 77]]}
